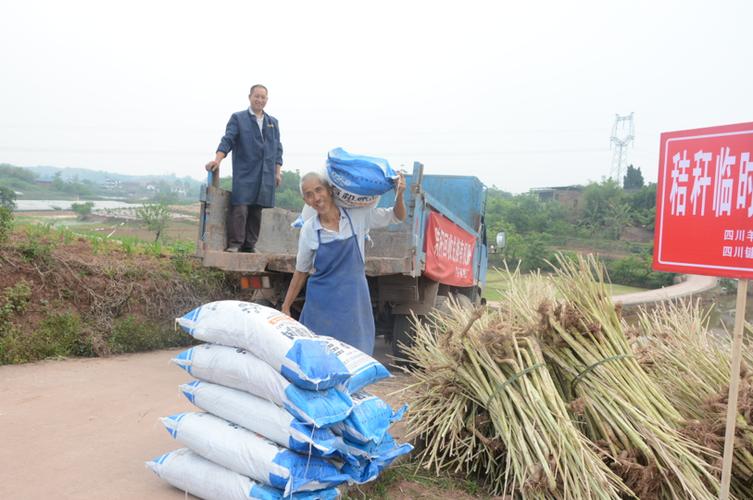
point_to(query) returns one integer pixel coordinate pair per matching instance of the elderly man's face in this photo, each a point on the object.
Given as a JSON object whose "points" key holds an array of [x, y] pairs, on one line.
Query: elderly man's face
{"points": [[258, 99], [316, 195]]}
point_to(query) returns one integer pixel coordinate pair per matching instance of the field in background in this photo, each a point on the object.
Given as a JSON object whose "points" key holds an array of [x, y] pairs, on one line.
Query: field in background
{"points": [[120, 226], [496, 281]]}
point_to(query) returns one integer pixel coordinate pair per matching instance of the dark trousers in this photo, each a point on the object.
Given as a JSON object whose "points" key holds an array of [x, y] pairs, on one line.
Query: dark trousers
{"points": [[243, 224]]}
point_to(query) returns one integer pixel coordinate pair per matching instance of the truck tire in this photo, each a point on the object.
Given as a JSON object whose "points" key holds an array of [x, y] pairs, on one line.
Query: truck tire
{"points": [[442, 304], [402, 335]]}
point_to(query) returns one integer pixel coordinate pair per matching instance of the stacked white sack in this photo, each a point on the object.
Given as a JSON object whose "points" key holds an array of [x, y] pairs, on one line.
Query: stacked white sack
{"points": [[264, 418], [251, 455], [190, 472], [307, 360], [272, 396], [239, 369], [286, 345]]}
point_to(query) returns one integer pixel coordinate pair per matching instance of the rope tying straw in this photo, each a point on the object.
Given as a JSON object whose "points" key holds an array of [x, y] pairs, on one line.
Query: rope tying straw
{"points": [[585, 372], [512, 379]]}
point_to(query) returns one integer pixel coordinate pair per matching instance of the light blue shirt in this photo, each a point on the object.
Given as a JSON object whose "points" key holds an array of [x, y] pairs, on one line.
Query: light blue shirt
{"points": [[363, 219]]}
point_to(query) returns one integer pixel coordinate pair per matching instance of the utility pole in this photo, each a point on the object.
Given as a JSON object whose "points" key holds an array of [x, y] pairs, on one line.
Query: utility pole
{"points": [[623, 133]]}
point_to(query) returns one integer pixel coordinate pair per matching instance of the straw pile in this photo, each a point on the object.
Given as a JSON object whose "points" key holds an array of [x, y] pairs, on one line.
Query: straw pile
{"points": [[692, 365], [544, 398]]}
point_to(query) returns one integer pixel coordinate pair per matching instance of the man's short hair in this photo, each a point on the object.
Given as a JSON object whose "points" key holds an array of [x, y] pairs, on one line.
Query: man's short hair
{"points": [[314, 174], [257, 86]]}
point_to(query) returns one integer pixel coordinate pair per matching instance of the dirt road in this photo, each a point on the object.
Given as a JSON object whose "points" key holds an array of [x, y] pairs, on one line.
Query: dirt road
{"points": [[82, 428], [692, 285]]}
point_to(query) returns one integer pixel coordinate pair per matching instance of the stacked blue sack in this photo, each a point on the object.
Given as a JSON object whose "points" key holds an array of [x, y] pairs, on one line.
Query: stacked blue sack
{"points": [[284, 415]]}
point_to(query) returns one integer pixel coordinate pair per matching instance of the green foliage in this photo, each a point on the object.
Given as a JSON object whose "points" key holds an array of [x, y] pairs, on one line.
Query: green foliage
{"points": [[605, 211], [59, 334], [287, 195], [155, 217], [633, 178], [15, 300], [36, 250], [8, 171], [154, 249], [131, 334], [643, 206], [181, 258], [6, 224], [635, 270], [7, 198], [83, 210], [71, 187]]}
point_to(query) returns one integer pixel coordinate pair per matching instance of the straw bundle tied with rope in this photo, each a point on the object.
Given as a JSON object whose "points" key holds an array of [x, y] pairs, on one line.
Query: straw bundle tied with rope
{"points": [[692, 364], [544, 398]]}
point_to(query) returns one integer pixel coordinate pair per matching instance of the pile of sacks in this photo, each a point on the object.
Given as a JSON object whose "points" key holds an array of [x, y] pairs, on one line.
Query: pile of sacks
{"points": [[284, 411]]}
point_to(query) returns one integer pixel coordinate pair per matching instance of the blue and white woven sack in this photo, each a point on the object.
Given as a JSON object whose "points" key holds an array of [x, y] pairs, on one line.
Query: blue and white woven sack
{"points": [[239, 369], [362, 368], [358, 181], [373, 462], [196, 475], [279, 340], [369, 420], [262, 417], [252, 455]]}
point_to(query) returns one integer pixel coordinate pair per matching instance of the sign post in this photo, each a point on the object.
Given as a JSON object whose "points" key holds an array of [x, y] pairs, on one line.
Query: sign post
{"points": [[704, 225]]}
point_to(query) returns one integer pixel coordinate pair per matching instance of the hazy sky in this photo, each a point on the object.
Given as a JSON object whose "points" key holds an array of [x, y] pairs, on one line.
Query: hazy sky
{"points": [[520, 94]]}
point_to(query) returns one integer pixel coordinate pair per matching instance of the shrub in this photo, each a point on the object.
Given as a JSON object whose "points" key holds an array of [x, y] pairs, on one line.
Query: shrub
{"points": [[83, 210], [6, 223], [636, 271], [133, 335]]}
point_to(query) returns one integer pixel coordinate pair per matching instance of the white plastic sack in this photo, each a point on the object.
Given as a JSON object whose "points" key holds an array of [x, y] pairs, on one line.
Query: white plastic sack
{"points": [[362, 368], [249, 454], [190, 472], [369, 420], [263, 417], [282, 342], [239, 369]]}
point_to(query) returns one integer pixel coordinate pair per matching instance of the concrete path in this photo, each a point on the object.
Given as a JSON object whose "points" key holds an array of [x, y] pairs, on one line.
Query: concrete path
{"points": [[82, 428], [692, 285]]}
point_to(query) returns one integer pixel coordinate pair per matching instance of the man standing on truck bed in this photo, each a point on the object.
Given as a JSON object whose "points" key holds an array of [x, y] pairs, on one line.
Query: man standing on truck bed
{"points": [[254, 138]]}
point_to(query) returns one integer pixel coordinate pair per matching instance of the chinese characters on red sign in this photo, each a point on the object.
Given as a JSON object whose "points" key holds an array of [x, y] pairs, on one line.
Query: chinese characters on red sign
{"points": [[449, 252], [704, 202]]}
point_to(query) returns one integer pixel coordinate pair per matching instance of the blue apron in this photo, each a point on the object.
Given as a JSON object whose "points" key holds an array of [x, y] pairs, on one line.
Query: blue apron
{"points": [[337, 294]]}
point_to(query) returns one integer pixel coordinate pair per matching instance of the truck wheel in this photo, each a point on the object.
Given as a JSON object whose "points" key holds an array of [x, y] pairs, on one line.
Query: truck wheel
{"points": [[402, 335], [442, 304]]}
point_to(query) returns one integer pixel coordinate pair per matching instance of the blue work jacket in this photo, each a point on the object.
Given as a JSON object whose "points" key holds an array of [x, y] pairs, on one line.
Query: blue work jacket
{"points": [[254, 158]]}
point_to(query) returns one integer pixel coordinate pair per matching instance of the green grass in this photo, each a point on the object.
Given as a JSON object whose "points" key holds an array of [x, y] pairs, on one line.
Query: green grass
{"points": [[496, 281], [388, 484]]}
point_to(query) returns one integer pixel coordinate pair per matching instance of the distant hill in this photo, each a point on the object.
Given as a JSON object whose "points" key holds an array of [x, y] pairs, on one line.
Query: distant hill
{"points": [[56, 183], [99, 176]]}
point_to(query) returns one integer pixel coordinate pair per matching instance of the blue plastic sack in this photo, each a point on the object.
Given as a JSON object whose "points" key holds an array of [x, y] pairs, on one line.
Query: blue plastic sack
{"points": [[263, 417], [370, 464], [369, 420], [358, 180], [239, 369], [250, 454], [190, 472]]}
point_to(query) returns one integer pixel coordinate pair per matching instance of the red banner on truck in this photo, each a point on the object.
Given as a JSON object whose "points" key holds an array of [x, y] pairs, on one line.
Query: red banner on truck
{"points": [[449, 252], [704, 202]]}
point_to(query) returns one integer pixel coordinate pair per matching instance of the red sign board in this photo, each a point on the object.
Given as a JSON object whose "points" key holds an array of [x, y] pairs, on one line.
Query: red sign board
{"points": [[449, 252], [704, 202]]}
